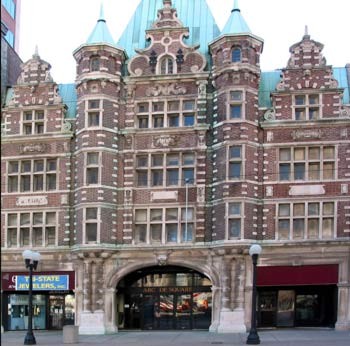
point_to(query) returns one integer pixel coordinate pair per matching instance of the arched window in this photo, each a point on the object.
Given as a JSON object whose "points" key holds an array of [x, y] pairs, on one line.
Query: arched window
{"points": [[95, 64], [236, 55], [167, 65]]}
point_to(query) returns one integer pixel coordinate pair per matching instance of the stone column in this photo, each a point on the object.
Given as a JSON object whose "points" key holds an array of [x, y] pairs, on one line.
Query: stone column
{"points": [[343, 317], [110, 310]]}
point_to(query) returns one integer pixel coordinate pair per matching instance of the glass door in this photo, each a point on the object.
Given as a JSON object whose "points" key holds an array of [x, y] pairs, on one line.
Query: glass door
{"points": [[285, 308], [166, 311], [183, 311], [56, 309], [267, 308]]}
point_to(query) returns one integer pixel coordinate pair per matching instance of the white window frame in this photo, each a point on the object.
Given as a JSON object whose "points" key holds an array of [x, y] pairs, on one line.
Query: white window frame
{"points": [[97, 165], [307, 106], [31, 227], [89, 111], [163, 222], [234, 217], [97, 221], [306, 217], [229, 160], [233, 102], [33, 122]]}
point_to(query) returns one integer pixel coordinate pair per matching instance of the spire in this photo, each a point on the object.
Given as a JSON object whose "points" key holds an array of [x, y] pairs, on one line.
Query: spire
{"points": [[236, 23], [101, 33], [306, 34], [36, 52]]}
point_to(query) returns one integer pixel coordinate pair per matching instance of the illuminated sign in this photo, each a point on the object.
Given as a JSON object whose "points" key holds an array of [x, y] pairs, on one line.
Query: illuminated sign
{"points": [[43, 282]]}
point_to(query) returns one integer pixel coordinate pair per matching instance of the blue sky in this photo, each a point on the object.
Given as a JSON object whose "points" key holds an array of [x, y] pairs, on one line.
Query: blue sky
{"points": [[59, 27]]}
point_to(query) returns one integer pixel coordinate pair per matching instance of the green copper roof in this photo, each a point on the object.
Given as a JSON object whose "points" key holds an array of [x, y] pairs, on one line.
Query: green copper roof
{"points": [[101, 33], [194, 14], [236, 23], [69, 98], [339, 74]]}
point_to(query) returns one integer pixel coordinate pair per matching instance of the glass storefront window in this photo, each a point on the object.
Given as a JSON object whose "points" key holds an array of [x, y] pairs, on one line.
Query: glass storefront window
{"points": [[18, 312]]}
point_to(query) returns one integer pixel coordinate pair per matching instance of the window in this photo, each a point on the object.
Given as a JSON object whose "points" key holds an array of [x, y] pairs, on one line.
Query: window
{"points": [[167, 65], [235, 162], [234, 220], [306, 107], [165, 114], [94, 109], [35, 229], [32, 175], [10, 7], [169, 169], [236, 104], [92, 168], [33, 122], [312, 220], [164, 225], [95, 64], [92, 221], [236, 55], [10, 38], [307, 163]]}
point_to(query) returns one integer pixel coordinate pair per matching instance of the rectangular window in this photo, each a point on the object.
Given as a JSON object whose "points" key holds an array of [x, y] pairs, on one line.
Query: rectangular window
{"points": [[164, 225], [92, 221], [235, 162], [94, 111], [35, 229], [306, 107], [92, 168], [165, 169], [307, 163], [310, 220], [236, 104], [234, 220], [33, 122], [165, 114], [32, 175]]}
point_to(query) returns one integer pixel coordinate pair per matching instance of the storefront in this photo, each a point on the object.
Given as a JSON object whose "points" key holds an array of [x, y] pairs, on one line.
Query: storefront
{"points": [[297, 296], [164, 298], [53, 300]]}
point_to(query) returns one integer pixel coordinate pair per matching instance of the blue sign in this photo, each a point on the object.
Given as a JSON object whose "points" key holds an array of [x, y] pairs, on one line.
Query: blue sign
{"points": [[43, 282]]}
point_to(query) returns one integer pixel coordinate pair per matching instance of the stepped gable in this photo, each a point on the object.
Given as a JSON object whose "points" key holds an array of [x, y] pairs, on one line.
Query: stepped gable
{"points": [[166, 38], [307, 68]]}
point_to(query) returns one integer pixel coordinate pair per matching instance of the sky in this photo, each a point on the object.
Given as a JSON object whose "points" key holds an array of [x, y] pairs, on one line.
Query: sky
{"points": [[58, 27]]}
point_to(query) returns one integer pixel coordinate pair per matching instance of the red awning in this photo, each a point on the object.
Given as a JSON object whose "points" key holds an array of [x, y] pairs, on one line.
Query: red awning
{"points": [[326, 274]]}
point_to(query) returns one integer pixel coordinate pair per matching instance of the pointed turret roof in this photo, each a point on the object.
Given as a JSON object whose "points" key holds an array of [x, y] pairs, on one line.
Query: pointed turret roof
{"points": [[236, 23], [101, 33]]}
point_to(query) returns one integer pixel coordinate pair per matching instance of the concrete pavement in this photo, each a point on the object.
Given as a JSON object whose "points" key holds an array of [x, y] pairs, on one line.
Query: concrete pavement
{"points": [[287, 337]]}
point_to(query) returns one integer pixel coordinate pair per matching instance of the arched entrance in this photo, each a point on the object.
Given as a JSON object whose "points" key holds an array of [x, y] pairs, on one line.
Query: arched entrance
{"points": [[164, 298]]}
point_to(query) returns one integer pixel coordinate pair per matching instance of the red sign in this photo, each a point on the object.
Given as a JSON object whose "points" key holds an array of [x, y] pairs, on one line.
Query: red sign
{"points": [[325, 274], [8, 280]]}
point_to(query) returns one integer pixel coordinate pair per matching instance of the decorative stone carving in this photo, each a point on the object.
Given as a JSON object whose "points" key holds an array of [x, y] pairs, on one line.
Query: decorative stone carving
{"points": [[345, 112], [66, 126], [306, 190], [344, 133], [166, 89], [201, 139], [162, 259], [33, 148], [127, 196], [164, 141], [202, 89], [269, 191], [64, 199], [164, 195], [201, 194], [269, 136], [302, 134], [269, 115], [31, 200]]}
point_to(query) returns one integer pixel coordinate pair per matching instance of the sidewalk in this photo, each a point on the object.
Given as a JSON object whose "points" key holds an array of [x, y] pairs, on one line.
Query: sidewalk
{"points": [[288, 337]]}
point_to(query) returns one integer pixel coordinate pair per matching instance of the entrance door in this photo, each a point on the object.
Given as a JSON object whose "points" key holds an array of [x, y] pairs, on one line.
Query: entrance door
{"points": [[166, 311], [56, 308]]}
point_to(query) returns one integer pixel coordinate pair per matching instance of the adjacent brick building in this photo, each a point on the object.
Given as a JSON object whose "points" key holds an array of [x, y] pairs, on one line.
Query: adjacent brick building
{"points": [[144, 183]]}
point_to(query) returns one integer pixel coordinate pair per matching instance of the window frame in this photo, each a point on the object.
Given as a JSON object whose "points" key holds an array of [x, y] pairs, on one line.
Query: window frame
{"points": [[230, 217], [307, 106], [234, 103], [31, 226], [153, 169], [307, 217], [93, 111], [167, 65], [22, 176], [233, 160], [96, 221], [234, 52], [34, 124], [164, 222], [92, 166]]}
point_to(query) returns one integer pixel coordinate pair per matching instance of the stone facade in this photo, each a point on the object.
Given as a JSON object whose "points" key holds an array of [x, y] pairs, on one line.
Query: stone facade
{"points": [[171, 160]]}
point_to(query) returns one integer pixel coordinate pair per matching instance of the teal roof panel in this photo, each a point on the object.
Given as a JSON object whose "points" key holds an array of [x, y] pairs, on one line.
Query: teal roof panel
{"points": [[194, 14], [236, 23], [340, 75], [69, 98], [268, 82], [101, 33]]}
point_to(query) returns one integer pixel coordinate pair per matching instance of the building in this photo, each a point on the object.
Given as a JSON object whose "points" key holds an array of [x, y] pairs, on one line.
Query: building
{"points": [[10, 61], [144, 183]]}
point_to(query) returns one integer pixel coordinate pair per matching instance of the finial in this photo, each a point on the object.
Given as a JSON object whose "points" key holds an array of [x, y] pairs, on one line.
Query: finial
{"points": [[102, 15], [167, 3], [236, 6], [306, 34], [36, 52]]}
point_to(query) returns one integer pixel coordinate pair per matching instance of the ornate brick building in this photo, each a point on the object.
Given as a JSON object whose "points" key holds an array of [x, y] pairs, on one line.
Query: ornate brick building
{"points": [[143, 184]]}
